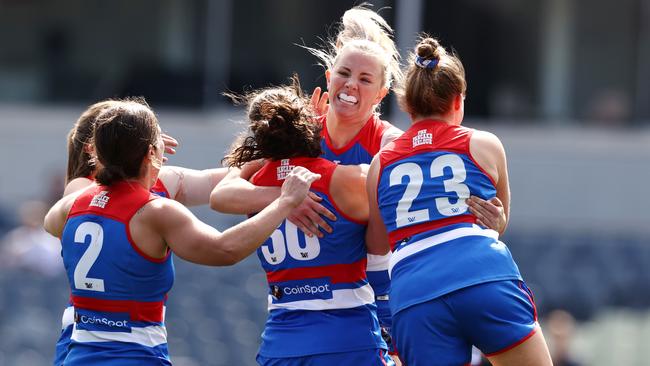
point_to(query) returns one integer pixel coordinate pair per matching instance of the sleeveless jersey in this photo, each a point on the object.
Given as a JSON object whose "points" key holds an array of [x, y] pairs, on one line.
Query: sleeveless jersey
{"points": [[118, 292], [319, 297], [425, 177], [67, 320], [361, 149]]}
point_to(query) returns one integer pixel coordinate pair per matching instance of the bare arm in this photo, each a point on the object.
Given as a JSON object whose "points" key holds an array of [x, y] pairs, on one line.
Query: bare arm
{"points": [[376, 234], [76, 184], [58, 214], [191, 187], [489, 153], [198, 242], [236, 195]]}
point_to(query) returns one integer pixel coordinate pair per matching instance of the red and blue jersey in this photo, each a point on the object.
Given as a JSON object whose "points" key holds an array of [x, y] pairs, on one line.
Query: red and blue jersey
{"points": [[319, 297], [425, 177], [361, 149], [67, 320], [118, 292]]}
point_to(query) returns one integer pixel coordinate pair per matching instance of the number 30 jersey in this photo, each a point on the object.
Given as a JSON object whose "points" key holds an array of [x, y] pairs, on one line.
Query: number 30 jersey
{"points": [[319, 297], [425, 177], [118, 292]]}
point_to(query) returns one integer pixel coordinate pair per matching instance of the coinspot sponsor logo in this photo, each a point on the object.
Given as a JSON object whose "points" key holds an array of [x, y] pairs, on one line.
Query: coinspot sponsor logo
{"points": [[103, 321], [317, 288]]}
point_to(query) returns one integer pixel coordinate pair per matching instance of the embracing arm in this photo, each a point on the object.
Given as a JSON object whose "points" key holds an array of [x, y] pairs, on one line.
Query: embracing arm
{"points": [[489, 153], [76, 184], [198, 242], [191, 187], [236, 195], [376, 234]]}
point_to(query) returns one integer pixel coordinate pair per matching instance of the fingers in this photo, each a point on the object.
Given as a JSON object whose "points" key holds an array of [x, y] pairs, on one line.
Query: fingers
{"points": [[319, 101], [170, 143], [488, 213], [302, 224], [322, 104], [315, 97]]}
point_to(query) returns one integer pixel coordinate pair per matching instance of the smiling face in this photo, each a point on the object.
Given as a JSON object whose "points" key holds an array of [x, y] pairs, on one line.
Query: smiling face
{"points": [[355, 84]]}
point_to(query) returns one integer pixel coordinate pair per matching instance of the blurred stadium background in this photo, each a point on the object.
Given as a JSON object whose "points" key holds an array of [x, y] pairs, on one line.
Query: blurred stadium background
{"points": [[564, 83]]}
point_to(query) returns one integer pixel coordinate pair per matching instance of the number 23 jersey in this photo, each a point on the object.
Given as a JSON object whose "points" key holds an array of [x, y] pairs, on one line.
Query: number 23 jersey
{"points": [[425, 177]]}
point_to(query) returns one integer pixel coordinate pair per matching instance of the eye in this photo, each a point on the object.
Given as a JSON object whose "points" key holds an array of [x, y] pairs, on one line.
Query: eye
{"points": [[343, 73]]}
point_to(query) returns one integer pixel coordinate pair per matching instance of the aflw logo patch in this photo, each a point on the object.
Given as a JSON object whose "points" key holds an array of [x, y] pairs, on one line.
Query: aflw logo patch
{"points": [[422, 138], [284, 169], [100, 200]]}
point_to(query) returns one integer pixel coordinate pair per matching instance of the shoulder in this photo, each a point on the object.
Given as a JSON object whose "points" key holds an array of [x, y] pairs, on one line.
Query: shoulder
{"points": [[77, 184], [485, 142]]}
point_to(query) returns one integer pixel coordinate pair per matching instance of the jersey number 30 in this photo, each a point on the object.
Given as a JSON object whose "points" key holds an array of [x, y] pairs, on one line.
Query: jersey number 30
{"points": [[282, 244], [96, 233], [404, 215]]}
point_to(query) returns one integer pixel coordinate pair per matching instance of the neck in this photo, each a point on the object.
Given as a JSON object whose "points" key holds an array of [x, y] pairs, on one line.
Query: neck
{"points": [[342, 132], [447, 118]]}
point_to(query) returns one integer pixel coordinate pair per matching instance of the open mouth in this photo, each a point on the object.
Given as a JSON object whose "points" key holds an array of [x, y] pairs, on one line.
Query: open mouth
{"points": [[347, 99]]}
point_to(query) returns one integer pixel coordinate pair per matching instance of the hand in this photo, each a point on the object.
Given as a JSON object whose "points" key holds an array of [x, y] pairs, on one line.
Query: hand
{"points": [[307, 216], [296, 185], [319, 102], [170, 143], [489, 214]]}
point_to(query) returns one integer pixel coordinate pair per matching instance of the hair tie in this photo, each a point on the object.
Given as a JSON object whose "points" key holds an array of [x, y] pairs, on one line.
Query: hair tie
{"points": [[425, 63]]}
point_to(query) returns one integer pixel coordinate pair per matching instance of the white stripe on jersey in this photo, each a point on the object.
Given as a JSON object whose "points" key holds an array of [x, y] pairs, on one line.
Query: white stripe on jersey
{"points": [[434, 240], [68, 317], [151, 336], [341, 299], [378, 262]]}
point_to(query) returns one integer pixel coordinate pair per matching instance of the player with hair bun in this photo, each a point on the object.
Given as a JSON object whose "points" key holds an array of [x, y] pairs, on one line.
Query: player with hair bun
{"points": [[453, 283]]}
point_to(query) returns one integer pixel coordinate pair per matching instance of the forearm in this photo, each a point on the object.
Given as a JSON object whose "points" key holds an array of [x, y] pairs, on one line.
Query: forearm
{"points": [[244, 238], [240, 197]]}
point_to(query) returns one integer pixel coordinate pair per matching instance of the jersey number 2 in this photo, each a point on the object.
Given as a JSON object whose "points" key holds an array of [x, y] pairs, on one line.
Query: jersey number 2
{"points": [[290, 243], [96, 233], [404, 215]]}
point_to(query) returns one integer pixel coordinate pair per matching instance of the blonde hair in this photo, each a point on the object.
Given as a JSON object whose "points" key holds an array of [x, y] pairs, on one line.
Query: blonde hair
{"points": [[364, 30]]}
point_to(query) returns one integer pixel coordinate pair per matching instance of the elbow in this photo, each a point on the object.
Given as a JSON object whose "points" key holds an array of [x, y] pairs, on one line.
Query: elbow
{"points": [[217, 202]]}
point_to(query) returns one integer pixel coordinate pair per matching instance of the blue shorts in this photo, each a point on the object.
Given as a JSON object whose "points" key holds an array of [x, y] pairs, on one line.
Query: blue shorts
{"points": [[493, 316], [369, 357]]}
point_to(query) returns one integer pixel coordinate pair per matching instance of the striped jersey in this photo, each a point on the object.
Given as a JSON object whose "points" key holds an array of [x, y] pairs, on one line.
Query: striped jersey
{"points": [[67, 320], [361, 149], [319, 298], [425, 177], [118, 292]]}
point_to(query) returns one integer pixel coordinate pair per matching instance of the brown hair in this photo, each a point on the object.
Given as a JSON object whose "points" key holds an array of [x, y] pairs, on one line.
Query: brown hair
{"points": [[433, 78], [123, 134], [80, 162], [283, 125]]}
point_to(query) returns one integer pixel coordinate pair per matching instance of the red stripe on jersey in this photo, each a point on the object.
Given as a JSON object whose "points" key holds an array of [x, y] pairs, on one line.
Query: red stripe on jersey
{"points": [[395, 236], [138, 310], [338, 273], [369, 136]]}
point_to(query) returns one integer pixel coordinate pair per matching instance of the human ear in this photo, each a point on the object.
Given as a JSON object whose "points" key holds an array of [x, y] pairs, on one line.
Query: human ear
{"points": [[458, 101], [382, 93]]}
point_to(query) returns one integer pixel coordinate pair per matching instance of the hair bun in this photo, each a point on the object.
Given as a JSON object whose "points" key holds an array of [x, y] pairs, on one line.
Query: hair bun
{"points": [[429, 49]]}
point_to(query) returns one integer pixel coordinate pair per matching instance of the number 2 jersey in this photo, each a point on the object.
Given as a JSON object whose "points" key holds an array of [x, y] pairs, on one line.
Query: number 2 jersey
{"points": [[425, 177], [118, 292], [319, 298]]}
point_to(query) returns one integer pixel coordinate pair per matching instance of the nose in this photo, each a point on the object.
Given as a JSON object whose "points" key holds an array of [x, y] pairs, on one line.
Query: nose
{"points": [[351, 83]]}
